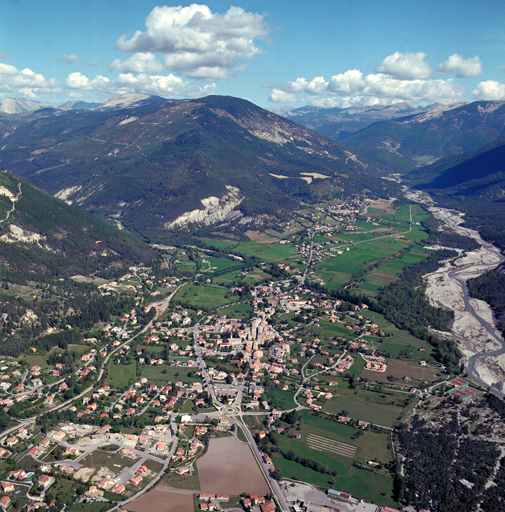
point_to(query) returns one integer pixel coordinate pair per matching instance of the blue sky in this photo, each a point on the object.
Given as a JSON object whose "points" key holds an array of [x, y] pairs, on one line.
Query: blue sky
{"points": [[325, 52]]}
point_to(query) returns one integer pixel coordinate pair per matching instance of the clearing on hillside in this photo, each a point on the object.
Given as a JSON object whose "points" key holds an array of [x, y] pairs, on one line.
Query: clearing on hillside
{"points": [[229, 467], [323, 444]]}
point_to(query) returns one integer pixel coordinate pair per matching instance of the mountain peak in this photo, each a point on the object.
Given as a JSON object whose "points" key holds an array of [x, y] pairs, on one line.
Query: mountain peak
{"points": [[19, 105], [129, 100]]}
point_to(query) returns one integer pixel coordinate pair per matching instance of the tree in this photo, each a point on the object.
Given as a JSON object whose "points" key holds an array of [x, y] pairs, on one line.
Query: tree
{"points": [[277, 475]]}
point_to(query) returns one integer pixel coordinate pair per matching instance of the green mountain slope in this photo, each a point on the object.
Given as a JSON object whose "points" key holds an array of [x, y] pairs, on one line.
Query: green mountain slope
{"points": [[42, 235], [43, 242], [427, 137], [473, 183], [177, 165]]}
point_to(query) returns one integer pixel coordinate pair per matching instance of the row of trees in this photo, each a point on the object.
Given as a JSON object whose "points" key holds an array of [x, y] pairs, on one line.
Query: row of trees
{"points": [[308, 463]]}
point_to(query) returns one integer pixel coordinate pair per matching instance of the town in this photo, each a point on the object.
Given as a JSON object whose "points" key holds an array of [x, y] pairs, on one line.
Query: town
{"points": [[221, 377]]}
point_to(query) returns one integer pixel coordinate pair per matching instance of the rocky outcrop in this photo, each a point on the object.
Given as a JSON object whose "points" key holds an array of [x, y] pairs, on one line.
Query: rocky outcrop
{"points": [[215, 210]]}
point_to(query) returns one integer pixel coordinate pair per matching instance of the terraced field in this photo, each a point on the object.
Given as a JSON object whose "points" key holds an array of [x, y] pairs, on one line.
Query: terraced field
{"points": [[323, 444]]}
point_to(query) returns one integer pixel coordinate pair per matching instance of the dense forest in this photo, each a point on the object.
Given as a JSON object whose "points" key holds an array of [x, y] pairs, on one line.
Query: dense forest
{"points": [[447, 238], [55, 306], [404, 303], [444, 469]]}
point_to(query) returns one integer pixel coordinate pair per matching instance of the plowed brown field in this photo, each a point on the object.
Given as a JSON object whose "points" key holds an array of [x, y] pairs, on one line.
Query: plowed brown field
{"points": [[163, 499], [229, 467]]}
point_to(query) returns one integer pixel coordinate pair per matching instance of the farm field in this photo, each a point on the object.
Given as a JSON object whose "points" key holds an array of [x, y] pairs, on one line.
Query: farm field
{"points": [[395, 267], [229, 467], [323, 444], [213, 264], [205, 296], [353, 480], [369, 445], [262, 237], [267, 252], [164, 499], [360, 256], [239, 311], [401, 369], [220, 244], [119, 375], [365, 407]]}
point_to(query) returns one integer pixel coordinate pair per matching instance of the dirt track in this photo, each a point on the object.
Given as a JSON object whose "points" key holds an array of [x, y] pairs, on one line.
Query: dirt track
{"points": [[229, 467]]}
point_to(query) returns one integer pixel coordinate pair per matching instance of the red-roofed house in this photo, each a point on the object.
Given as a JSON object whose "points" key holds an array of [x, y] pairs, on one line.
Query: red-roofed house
{"points": [[267, 507]]}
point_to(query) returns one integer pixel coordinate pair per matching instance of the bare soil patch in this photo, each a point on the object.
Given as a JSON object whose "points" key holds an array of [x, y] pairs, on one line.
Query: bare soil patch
{"points": [[84, 474], [401, 369], [384, 277], [381, 204], [229, 467], [164, 499]]}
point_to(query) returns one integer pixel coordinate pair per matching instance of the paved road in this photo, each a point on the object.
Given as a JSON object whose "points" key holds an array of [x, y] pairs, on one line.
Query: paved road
{"points": [[272, 483]]}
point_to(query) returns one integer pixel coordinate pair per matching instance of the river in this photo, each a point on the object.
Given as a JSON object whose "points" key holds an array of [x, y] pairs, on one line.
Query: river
{"points": [[474, 325]]}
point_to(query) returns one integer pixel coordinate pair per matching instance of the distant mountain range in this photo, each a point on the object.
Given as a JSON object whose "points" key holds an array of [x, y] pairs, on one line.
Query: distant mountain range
{"points": [[156, 165], [339, 123], [20, 106], [455, 152], [422, 139]]}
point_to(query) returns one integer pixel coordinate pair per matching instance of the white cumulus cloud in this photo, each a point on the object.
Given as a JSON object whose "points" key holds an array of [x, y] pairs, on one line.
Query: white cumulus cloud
{"points": [[169, 86], [26, 82], [405, 66], [399, 77], [461, 67], [197, 42], [489, 90], [378, 88], [69, 59], [138, 63], [278, 96], [350, 81]]}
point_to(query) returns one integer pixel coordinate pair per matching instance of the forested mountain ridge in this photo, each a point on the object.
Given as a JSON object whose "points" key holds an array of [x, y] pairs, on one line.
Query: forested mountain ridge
{"points": [[43, 235], [473, 183], [44, 242], [425, 138], [216, 159]]}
